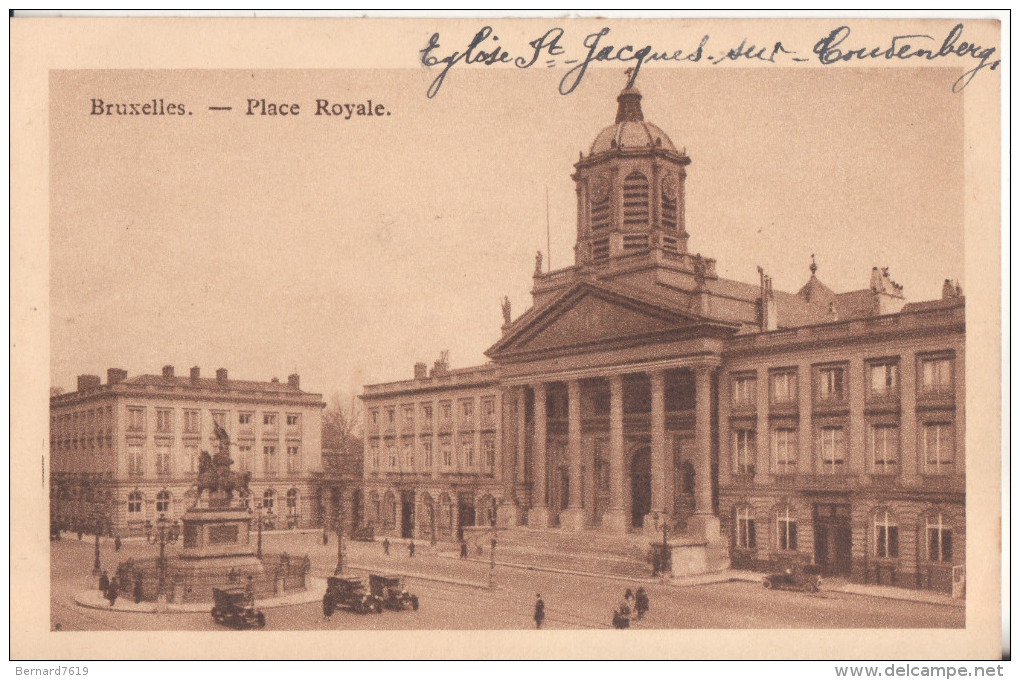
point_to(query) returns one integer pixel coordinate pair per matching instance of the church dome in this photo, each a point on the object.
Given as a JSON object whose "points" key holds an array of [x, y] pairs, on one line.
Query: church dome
{"points": [[631, 130]]}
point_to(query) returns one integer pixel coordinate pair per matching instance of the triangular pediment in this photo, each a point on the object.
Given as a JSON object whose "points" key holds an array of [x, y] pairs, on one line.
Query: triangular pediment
{"points": [[588, 315]]}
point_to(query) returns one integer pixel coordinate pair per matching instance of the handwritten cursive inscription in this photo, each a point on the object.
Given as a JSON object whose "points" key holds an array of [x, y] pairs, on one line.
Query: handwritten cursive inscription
{"points": [[551, 49]]}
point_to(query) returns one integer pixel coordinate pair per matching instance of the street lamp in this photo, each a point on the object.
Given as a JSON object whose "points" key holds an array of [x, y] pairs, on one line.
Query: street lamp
{"points": [[258, 526], [492, 558], [339, 534], [162, 533], [97, 527]]}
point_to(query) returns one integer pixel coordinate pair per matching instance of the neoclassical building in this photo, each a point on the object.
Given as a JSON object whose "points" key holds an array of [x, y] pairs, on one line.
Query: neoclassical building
{"points": [[643, 389], [128, 450]]}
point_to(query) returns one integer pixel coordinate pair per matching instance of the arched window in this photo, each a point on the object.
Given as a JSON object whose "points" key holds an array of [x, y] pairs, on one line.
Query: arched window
{"points": [[268, 501], [389, 510], [635, 200], [601, 206], [887, 534], [745, 534], [292, 502], [136, 502], [163, 502], [445, 519], [786, 529], [939, 537]]}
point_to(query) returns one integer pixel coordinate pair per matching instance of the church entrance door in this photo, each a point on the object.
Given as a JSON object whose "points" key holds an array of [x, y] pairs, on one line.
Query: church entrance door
{"points": [[641, 486]]}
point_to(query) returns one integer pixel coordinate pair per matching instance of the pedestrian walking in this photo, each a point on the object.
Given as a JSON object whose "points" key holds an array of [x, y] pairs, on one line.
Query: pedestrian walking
{"points": [[641, 603], [539, 608], [249, 591], [621, 617], [410, 549], [111, 591], [463, 550], [139, 590], [325, 537], [104, 582], [386, 546], [80, 534], [117, 543]]}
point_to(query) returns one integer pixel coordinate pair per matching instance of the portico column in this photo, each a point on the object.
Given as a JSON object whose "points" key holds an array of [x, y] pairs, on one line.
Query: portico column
{"points": [[538, 516], [522, 432], [615, 519], [573, 517], [658, 462], [705, 520]]}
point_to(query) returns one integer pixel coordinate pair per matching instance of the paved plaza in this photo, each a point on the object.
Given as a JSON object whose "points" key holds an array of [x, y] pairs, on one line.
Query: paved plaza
{"points": [[454, 594]]}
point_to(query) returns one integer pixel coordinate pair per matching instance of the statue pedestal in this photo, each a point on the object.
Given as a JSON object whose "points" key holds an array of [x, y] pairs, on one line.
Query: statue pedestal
{"points": [[215, 532]]}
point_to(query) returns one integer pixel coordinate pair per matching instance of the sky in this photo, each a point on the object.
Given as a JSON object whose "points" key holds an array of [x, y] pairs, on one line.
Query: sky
{"points": [[347, 250]]}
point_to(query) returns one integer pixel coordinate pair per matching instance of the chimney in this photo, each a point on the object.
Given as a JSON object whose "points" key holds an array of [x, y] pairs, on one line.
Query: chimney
{"points": [[168, 371], [294, 380], [196, 373], [88, 382], [421, 370], [221, 375], [115, 375]]}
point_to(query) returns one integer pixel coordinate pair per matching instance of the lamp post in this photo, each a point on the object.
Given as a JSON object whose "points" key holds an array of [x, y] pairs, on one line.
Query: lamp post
{"points": [[258, 526], [339, 534], [492, 558], [97, 527], [163, 532]]}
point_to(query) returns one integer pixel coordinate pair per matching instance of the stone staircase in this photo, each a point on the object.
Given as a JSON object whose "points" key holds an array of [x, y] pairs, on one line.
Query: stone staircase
{"points": [[592, 552]]}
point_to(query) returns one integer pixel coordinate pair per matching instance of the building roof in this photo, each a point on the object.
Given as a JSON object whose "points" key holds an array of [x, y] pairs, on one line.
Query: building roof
{"points": [[631, 130], [213, 384]]}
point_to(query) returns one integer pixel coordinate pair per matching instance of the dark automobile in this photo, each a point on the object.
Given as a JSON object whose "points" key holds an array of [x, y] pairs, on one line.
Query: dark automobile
{"points": [[806, 577], [350, 593], [232, 609], [390, 589]]}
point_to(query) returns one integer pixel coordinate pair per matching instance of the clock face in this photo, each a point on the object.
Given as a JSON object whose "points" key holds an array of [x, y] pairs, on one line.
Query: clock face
{"points": [[599, 189], [669, 187]]}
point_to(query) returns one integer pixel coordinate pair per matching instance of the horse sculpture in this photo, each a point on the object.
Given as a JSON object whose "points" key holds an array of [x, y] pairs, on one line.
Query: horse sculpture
{"points": [[214, 473]]}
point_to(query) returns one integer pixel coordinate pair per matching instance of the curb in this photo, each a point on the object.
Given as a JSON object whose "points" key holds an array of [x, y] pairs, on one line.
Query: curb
{"points": [[895, 594], [418, 576], [91, 599]]}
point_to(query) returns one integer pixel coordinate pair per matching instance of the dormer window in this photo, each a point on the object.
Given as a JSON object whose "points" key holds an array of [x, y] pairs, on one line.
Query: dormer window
{"points": [[635, 200]]}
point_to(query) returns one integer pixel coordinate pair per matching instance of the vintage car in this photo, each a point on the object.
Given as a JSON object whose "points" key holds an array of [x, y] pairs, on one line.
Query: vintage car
{"points": [[390, 589], [232, 609], [806, 577], [350, 593]]}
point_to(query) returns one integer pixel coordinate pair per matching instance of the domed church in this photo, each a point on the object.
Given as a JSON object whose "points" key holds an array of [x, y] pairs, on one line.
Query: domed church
{"points": [[643, 399]]}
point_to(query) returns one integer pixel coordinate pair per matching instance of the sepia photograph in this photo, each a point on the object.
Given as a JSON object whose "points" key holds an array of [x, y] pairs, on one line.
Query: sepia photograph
{"points": [[511, 328]]}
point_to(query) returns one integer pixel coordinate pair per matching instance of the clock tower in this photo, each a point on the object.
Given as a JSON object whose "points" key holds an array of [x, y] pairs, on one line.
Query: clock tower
{"points": [[630, 190]]}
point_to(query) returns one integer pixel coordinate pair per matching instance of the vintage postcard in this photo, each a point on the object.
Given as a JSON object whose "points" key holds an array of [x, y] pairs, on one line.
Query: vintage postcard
{"points": [[506, 338]]}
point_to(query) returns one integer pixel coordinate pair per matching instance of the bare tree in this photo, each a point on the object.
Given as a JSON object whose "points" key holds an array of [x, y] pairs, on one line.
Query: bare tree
{"points": [[341, 432]]}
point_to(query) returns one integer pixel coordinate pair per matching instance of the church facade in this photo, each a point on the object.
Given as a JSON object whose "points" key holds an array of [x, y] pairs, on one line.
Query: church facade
{"points": [[643, 393]]}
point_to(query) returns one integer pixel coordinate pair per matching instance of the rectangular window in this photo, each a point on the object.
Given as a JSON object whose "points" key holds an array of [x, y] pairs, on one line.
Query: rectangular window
{"points": [[884, 379], [408, 417], [391, 455], [136, 464], [940, 540], [293, 420], [784, 387], [426, 454], [467, 412], [409, 456], [244, 418], [293, 459], [220, 418], [887, 536], [885, 448], [192, 421], [832, 449], [426, 412], [784, 450], [391, 416], [468, 455], [489, 455], [744, 452], [135, 503], [374, 413], [937, 446], [446, 412], [745, 390], [269, 460], [163, 461], [269, 419], [489, 408], [786, 527], [745, 529], [374, 455], [830, 383], [244, 458], [937, 376], [136, 419], [447, 453]]}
